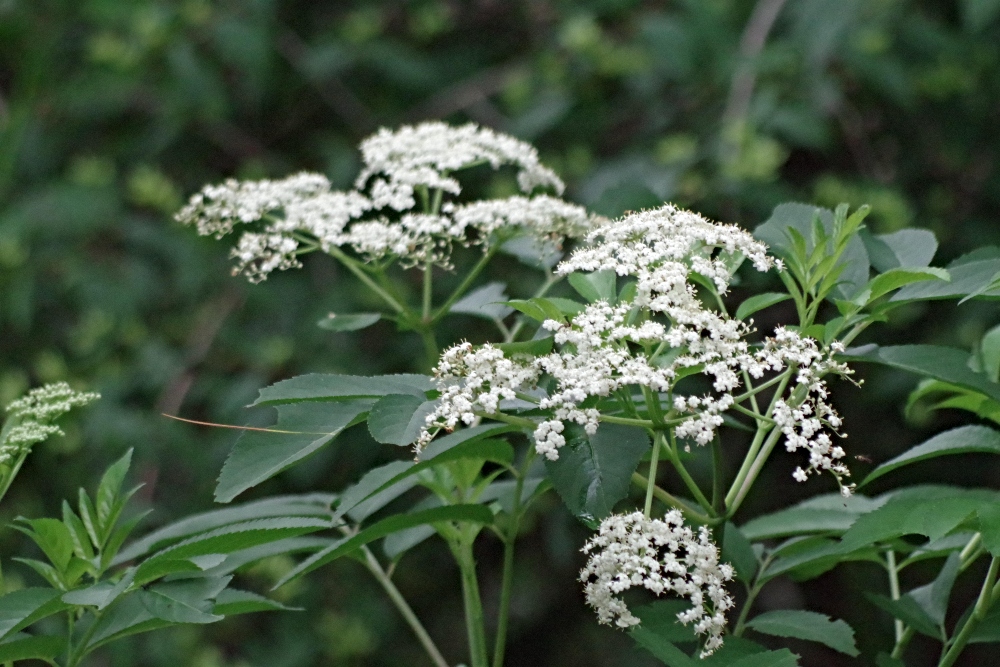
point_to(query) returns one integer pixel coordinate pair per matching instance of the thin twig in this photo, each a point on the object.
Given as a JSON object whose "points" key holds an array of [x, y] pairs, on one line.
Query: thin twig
{"points": [[758, 27]]}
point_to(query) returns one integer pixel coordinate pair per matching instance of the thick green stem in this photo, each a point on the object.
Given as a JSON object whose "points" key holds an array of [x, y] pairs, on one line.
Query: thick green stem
{"points": [[507, 578], [718, 474], [666, 498], [463, 287], [355, 268], [428, 292], [986, 598], [751, 476], [474, 620], [675, 459], [404, 608], [627, 421]]}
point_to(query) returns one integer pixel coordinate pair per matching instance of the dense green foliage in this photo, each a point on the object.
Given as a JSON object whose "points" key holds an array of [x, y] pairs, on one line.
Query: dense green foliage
{"points": [[112, 113]]}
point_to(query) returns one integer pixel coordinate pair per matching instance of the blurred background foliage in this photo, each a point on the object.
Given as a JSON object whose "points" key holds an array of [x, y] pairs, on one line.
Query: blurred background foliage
{"points": [[112, 113]]}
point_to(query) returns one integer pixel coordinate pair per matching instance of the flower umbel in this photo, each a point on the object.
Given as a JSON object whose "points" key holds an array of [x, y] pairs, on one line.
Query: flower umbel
{"points": [[31, 416], [662, 556]]}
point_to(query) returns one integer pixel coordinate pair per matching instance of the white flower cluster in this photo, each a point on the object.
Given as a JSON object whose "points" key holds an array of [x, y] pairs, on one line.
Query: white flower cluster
{"points": [[662, 556], [32, 416], [378, 219], [807, 420], [651, 342]]}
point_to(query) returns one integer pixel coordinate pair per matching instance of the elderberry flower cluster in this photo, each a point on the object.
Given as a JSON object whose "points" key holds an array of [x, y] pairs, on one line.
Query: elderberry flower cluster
{"points": [[380, 218], [662, 556], [651, 342], [32, 415]]}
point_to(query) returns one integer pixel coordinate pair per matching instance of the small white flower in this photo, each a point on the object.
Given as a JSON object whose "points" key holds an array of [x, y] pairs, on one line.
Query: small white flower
{"points": [[662, 556], [34, 414]]}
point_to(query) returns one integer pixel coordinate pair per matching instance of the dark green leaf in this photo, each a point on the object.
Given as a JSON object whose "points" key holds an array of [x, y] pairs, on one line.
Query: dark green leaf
{"points": [[660, 619], [988, 629], [397, 419], [760, 302], [440, 445], [20, 608], [24, 647], [830, 513], [387, 526], [185, 601], [807, 625], [947, 364], [52, 537], [933, 597], [324, 387], [961, 440], [108, 490], [348, 321], [661, 647], [736, 549], [907, 610], [260, 455], [594, 472], [311, 505], [533, 348], [230, 538]]}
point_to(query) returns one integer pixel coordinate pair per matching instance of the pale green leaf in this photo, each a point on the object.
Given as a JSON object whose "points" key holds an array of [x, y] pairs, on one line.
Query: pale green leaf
{"points": [[397, 419], [486, 302], [894, 279], [961, 440], [231, 602], [596, 286], [348, 321], [324, 387], [807, 625]]}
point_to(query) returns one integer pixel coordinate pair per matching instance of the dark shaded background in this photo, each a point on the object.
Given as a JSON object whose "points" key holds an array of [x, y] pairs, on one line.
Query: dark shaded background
{"points": [[112, 113]]}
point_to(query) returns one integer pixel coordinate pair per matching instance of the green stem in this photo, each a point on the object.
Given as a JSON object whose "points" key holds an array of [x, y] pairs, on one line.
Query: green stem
{"points": [[752, 592], [355, 268], [675, 459], [463, 287], [752, 473], [667, 499], [890, 561], [430, 346], [986, 598], [474, 620], [627, 421], [508, 419], [550, 280], [718, 471], [81, 648], [404, 608], [428, 291], [507, 578], [657, 444]]}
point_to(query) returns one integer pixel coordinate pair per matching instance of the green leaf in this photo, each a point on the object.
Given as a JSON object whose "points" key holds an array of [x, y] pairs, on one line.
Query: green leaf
{"points": [[461, 513], [924, 510], [662, 648], [988, 629], [532, 310], [780, 658], [78, 533], [324, 387], [989, 527], [360, 503], [230, 538], [44, 570], [315, 505], [89, 517], [947, 364], [736, 549], [20, 608], [567, 307], [496, 451], [348, 321], [907, 610], [52, 537], [185, 601], [961, 440], [660, 619], [933, 597], [893, 279], [259, 455], [108, 505], [39, 647], [596, 286], [445, 443], [397, 419], [978, 14], [830, 513], [990, 350], [593, 472], [904, 248], [760, 302], [806, 558], [542, 309], [231, 602], [807, 625], [293, 545], [532, 348], [969, 275], [486, 302]]}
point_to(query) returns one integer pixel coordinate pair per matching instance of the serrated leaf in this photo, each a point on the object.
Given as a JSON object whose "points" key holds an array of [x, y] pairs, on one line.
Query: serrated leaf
{"points": [[461, 513], [989, 527], [486, 302], [439, 445], [327, 387], [968, 276], [947, 364], [52, 537], [315, 505], [107, 504], [348, 321], [39, 647], [397, 419], [894, 279], [228, 539], [292, 545], [231, 602], [186, 601], [760, 302], [594, 472], [933, 597], [44, 570], [258, 455], [596, 286], [961, 440], [807, 625], [78, 533], [21, 608], [812, 516]]}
